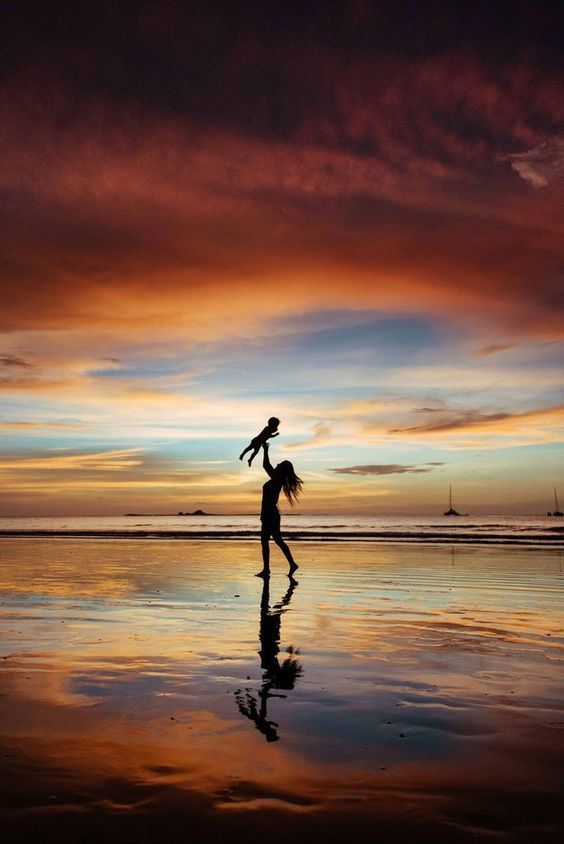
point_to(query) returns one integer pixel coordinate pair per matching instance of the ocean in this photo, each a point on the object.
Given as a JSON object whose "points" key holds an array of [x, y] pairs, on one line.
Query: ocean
{"points": [[496, 529]]}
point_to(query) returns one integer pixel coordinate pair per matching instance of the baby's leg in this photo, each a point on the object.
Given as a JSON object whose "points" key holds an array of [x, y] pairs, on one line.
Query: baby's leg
{"points": [[253, 455], [249, 448]]}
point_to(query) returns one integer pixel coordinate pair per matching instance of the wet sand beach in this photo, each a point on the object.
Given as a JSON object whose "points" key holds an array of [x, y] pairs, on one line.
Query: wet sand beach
{"points": [[154, 690]]}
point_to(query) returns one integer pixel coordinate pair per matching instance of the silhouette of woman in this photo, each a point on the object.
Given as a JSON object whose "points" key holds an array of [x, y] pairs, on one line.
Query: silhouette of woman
{"points": [[282, 477]]}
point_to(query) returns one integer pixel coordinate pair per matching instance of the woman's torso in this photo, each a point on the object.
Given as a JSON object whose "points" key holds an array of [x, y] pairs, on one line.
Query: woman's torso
{"points": [[270, 494]]}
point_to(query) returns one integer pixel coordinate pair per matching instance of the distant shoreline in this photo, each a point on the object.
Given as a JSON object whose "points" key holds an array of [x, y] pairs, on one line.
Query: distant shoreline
{"points": [[553, 537]]}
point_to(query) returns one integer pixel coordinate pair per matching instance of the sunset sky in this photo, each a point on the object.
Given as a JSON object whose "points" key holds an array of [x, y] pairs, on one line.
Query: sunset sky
{"points": [[347, 215]]}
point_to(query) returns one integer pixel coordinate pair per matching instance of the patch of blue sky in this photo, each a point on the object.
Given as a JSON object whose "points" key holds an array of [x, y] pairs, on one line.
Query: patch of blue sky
{"points": [[144, 367], [39, 440], [216, 448], [390, 339], [545, 456], [343, 332], [341, 358]]}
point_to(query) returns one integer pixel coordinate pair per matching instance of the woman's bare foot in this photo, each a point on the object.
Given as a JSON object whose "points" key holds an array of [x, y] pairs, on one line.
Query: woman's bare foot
{"points": [[263, 573], [293, 567]]}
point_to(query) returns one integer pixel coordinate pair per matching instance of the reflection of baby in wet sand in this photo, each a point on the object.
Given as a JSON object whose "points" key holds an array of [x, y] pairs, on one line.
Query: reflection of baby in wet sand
{"points": [[257, 442]]}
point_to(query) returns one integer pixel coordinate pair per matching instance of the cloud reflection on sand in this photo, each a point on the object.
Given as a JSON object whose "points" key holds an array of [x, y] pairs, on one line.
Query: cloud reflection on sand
{"points": [[427, 686]]}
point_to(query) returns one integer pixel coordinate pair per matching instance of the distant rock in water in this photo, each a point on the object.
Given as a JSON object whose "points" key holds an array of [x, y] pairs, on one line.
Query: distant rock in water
{"points": [[195, 513]]}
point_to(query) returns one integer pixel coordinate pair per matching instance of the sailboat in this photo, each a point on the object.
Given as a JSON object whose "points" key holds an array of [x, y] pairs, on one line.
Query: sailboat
{"points": [[451, 511], [557, 511]]}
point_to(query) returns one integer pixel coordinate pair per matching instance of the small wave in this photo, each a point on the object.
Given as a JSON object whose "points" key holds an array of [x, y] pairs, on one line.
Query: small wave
{"points": [[331, 527], [473, 525], [323, 535]]}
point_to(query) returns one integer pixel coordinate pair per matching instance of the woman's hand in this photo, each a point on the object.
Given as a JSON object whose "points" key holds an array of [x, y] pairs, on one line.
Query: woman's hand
{"points": [[266, 446]]}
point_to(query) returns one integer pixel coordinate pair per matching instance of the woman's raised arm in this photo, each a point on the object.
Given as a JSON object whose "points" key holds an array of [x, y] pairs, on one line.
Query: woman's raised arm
{"points": [[266, 461]]}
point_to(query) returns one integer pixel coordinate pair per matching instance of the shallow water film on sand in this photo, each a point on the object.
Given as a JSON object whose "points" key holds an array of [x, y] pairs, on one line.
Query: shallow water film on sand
{"points": [[156, 690]]}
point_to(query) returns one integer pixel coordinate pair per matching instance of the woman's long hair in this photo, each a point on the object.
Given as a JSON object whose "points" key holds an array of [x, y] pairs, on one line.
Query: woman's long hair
{"points": [[291, 484]]}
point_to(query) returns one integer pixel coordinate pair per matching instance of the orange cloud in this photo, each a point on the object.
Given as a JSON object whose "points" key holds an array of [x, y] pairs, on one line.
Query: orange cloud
{"points": [[31, 426], [471, 420], [159, 225], [100, 461], [471, 429], [496, 348]]}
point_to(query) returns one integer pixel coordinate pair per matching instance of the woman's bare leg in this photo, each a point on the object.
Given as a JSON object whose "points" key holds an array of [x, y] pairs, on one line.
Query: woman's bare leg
{"points": [[277, 537], [265, 546]]}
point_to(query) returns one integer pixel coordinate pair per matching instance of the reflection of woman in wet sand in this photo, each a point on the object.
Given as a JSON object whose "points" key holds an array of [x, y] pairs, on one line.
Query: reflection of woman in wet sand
{"points": [[282, 477], [276, 675]]}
